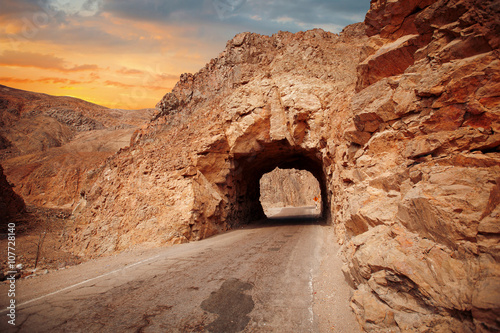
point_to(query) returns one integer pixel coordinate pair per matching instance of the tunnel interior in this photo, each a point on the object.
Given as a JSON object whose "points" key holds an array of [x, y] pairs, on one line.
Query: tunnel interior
{"points": [[248, 168]]}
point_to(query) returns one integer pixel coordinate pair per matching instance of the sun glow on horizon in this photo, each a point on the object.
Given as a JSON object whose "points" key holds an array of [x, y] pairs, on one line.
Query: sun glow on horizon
{"points": [[128, 54], [134, 73]]}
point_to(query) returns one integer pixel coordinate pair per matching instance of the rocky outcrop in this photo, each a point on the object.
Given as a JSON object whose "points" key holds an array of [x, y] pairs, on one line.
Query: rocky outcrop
{"points": [[417, 256], [422, 216], [195, 170], [288, 188], [75, 120], [396, 118]]}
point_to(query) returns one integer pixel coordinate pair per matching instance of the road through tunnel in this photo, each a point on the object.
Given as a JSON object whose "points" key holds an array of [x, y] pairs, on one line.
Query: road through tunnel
{"points": [[248, 169]]}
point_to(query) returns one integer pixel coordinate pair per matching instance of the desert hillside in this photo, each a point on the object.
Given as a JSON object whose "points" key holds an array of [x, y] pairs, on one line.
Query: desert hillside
{"points": [[50, 144], [50, 148]]}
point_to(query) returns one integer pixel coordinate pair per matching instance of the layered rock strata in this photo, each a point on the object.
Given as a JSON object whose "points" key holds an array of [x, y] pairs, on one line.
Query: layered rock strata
{"points": [[397, 118]]}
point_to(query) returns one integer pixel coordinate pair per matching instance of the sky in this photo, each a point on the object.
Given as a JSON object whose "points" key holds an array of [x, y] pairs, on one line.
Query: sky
{"points": [[128, 54]]}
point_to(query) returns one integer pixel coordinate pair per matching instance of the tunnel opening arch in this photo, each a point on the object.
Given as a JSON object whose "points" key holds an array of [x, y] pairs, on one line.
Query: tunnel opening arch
{"points": [[247, 168]]}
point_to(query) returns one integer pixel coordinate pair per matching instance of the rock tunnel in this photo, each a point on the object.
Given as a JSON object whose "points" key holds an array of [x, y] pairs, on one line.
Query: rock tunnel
{"points": [[248, 168]]}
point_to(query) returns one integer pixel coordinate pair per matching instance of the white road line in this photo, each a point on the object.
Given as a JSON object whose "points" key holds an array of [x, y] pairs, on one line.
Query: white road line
{"points": [[311, 291], [80, 283]]}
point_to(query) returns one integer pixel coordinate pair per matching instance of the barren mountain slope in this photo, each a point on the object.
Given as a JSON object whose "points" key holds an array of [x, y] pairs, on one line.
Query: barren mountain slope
{"points": [[49, 144], [398, 119]]}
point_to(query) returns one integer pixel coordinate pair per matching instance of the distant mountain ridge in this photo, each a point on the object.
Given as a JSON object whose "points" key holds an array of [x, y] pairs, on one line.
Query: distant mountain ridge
{"points": [[48, 144], [31, 122]]}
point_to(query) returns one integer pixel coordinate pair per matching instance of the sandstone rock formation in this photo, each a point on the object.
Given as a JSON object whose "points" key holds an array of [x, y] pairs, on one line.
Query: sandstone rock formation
{"points": [[397, 118], [195, 170], [288, 188], [50, 145]]}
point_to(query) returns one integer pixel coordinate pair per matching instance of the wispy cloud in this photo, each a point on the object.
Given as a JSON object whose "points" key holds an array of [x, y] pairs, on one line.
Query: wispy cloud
{"points": [[131, 86], [129, 71], [156, 76], [43, 61], [50, 80]]}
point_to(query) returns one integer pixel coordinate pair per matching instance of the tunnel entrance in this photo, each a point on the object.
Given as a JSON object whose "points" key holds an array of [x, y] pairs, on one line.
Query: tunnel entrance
{"points": [[286, 193], [248, 169]]}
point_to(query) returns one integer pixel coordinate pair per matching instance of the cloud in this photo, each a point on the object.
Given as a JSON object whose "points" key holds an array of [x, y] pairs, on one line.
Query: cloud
{"points": [[89, 35], [167, 77], [29, 8], [42, 61], [50, 80], [158, 10], [152, 26], [16, 8], [246, 14], [268, 17], [50, 22], [147, 75], [129, 71], [104, 47], [80, 68], [83, 8], [132, 86]]}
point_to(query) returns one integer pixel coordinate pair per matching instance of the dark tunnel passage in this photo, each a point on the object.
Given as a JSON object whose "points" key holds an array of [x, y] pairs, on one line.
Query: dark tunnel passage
{"points": [[248, 169]]}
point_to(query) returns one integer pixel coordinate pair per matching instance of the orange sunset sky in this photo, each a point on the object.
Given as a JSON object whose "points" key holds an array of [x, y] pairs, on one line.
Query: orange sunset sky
{"points": [[128, 54]]}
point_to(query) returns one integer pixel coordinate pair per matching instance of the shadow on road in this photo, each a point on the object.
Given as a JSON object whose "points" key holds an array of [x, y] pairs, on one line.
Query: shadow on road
{"points": [[291, 216]]}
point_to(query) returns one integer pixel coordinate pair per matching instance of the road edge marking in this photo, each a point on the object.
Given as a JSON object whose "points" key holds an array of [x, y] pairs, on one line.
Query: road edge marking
{"points": [[80, 283]]}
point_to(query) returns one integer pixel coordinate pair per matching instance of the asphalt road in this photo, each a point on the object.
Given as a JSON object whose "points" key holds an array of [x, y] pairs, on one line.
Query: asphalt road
{"points": [[256, 279]]}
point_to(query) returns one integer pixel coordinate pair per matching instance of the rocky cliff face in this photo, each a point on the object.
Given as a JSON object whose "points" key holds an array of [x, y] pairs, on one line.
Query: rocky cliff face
{"points": [[421, 211], [288, 188], [398, 119], [195, 170]]}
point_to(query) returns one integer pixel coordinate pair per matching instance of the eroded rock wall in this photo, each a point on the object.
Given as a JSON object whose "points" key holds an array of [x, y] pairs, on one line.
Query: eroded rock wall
{"points": [[397, 118], [421, 175]]}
